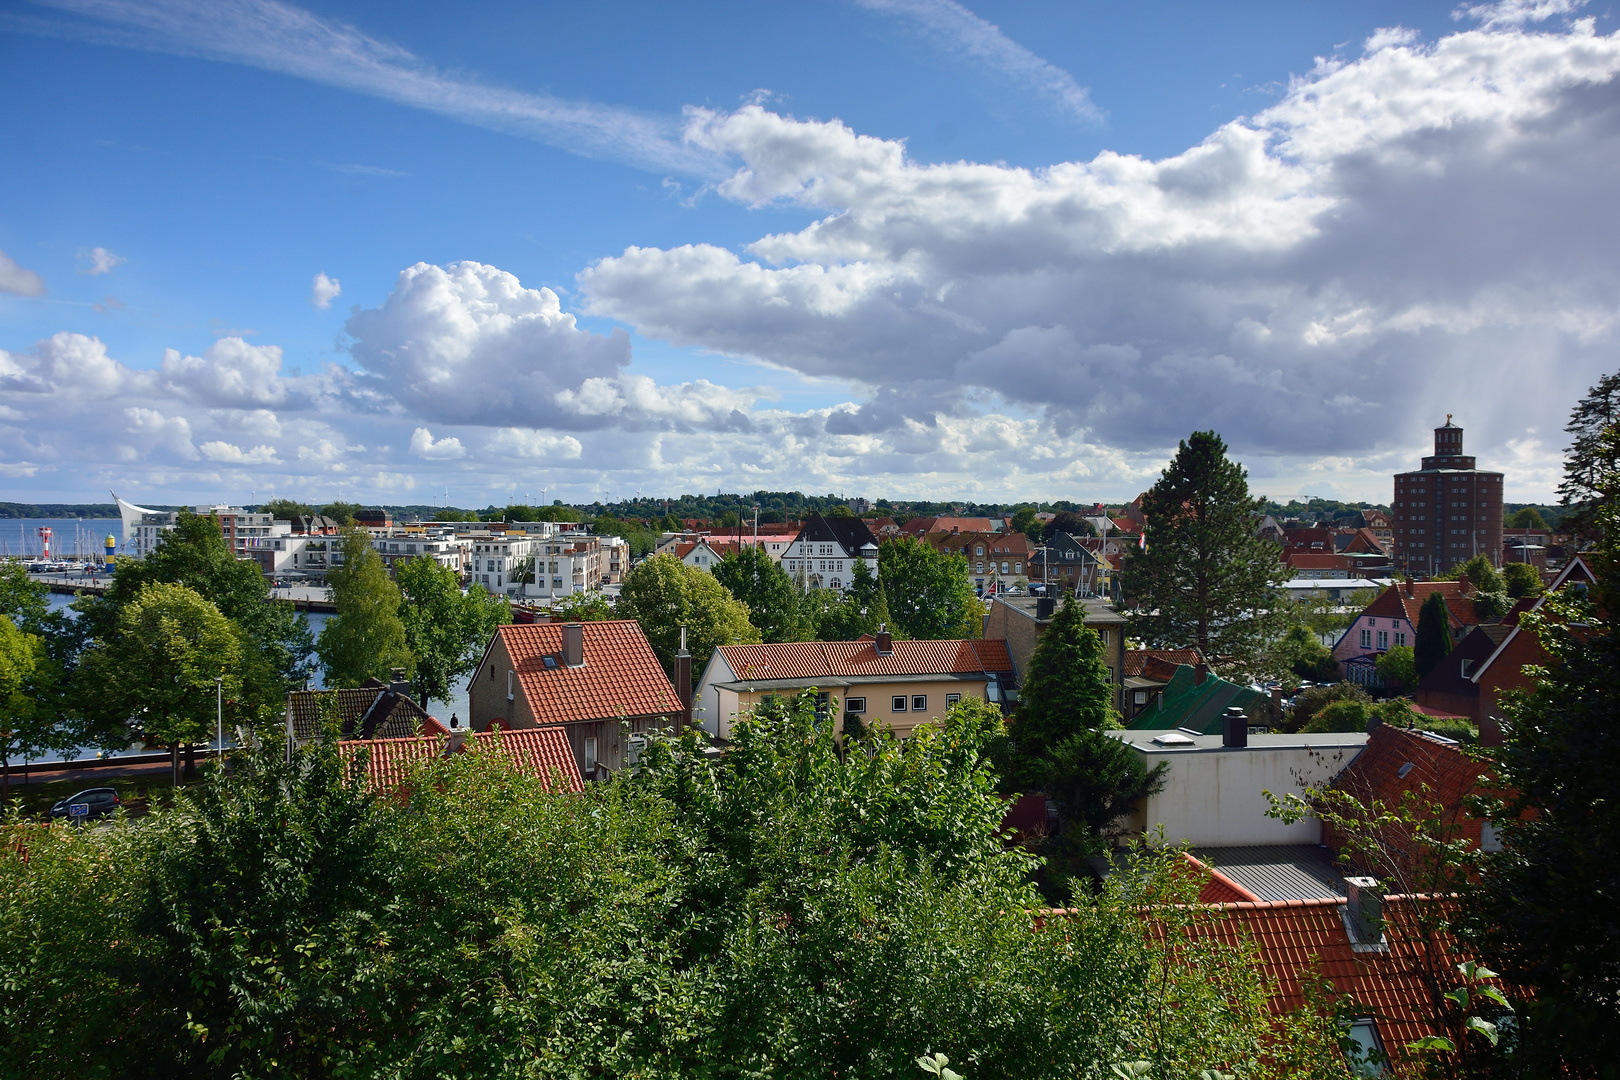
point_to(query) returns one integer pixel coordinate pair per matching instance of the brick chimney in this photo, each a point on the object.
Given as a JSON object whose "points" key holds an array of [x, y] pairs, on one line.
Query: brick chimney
{"points": [[573, 644], [1463, 584], [884, 645], [1200, 673], [683, 684]]}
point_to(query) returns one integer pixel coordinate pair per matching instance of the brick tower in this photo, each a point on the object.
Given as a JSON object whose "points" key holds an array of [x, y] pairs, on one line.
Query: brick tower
{"points": [[1448, 511]]}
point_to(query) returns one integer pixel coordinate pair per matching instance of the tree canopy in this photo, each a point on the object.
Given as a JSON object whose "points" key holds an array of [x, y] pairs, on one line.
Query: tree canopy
{"points": [[1591, 456], [1433, 641], [365, 639], [1205, 580], [664, 595], [927, 592], [752, 576], [1522, 580], [445, 630]]}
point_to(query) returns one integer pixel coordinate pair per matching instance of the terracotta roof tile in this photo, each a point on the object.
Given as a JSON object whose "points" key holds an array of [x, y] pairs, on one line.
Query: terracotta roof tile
{"points": [[851, 659], [1139, 662], [621, 675], [366, 712], [1381, 772], [541, 752], [1404, 600]]}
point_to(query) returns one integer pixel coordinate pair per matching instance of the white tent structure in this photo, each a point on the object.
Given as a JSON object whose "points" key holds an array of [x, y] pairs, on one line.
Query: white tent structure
{"points": [[130, 514]]}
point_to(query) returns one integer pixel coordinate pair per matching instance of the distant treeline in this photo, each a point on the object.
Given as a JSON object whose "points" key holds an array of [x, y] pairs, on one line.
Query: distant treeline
{"points": [[64, 510]]}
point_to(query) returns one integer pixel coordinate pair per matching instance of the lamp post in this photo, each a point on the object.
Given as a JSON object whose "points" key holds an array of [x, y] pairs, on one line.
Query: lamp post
{"points": [[219, 714]]}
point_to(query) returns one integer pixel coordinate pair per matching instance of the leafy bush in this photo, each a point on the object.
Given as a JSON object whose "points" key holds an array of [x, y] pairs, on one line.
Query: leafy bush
{"points": [[1307, 703]]}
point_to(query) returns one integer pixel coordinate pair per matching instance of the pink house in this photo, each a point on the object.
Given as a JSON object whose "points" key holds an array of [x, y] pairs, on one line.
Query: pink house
{"points": [[1391, 620]]}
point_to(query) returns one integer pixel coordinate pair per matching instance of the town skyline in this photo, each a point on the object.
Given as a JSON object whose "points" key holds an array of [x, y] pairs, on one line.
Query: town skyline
{"points": [[933, 251]]}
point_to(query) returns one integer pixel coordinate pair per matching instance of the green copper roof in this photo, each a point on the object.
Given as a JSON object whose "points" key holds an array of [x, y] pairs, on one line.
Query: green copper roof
{"points": [[1186, 704]]}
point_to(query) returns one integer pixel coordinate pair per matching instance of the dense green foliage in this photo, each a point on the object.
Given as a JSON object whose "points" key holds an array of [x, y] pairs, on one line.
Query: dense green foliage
{"points": [[863, 609], [445, 630], [1433, 641], [1593, 457], [789, 909], [928, 592], [759, 581], [1307, 703], [1541, 910], [342, 512], [1398, 667], [1522, 580], [1302, 654], [1526, 518], [1205, 580], [365, 639], [583, 607], [666, 596], [285, 509]]}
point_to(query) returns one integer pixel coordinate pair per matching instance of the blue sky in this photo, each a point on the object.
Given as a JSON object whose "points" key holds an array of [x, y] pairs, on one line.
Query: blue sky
{"points": [[894, 247]]}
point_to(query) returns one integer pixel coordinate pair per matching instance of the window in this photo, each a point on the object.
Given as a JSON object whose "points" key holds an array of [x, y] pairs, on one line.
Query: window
{"points": [[1383, 639], [952, 699], [1467, 668], [978, 568], [492, 673], [898, 704], [509, 682], [855, 705], [1366, 639], [919, 702], [1103, 635], [1140, 697], [1003, 568], [590, 753], [1372, 622], [1018, 568], [1400, 639], [1366, 1051], [1489, 838]]}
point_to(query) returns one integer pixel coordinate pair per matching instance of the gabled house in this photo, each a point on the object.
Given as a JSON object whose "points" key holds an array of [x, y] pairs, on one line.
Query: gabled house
{"points": [[1021, 620], [922, 526], [1148, 672], [701, 553], [539, 752], [1401, 761], [373, 710], [996, 561], [1309, 566], [600, 682], [1491, 660], [823, 555], [1391, 620], [1070, 564], [876, 680]]}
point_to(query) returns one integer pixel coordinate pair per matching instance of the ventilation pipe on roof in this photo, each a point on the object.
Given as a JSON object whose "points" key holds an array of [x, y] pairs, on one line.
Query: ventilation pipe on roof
{"points": [[884, 645], [683, 684], [573, 644], [1200, 673], [1044, 606], [1366, 910], [1235, 727]]}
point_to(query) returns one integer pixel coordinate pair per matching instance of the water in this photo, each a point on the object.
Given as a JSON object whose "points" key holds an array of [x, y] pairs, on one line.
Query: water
{"points": [[71, 537]]}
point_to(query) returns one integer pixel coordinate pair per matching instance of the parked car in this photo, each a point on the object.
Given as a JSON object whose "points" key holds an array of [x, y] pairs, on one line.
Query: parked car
{"points": [[101, 801]]}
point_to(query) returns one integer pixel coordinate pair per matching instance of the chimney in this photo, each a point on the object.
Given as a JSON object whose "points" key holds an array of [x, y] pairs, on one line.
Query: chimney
{"points": [[573, 644], [1408, 584], [1463, 584], [683, 684], [398, 683], [1044, 606], [1366, 914], [1235, 727], [1200, 673], [884, 645], [1277, 695]]}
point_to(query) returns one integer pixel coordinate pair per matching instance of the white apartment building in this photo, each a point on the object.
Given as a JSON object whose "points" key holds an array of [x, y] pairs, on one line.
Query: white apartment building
{"points": [[542, 567], [441, 544], [824, 553]]}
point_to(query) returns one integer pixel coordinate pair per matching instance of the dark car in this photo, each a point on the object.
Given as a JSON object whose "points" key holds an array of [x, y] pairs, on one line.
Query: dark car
{"points": [[99, 802]]}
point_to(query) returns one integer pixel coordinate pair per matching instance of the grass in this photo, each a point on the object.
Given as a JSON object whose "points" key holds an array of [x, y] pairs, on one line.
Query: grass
{"points": [[139, 794]]}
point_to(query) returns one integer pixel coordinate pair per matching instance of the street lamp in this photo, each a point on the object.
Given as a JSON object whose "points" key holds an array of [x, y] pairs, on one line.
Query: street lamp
{"points": [[219, 714]]}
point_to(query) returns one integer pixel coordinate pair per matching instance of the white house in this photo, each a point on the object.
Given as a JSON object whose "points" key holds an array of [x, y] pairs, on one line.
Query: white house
{"points": [[824, 553]]}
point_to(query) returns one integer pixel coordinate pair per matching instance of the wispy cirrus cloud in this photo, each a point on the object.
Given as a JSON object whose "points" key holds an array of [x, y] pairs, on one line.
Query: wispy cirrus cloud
{"points": [[279, 37], [958, 30]]}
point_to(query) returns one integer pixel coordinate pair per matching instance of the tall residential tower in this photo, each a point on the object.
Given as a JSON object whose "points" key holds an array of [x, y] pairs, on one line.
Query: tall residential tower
{"points": [[1448, 511]]}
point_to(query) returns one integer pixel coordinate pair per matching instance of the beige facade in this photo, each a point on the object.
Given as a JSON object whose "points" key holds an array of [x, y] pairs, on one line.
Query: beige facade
{"points": [[874, 701]]}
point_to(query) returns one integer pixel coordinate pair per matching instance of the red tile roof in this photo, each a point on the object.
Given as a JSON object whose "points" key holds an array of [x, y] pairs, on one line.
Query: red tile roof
{"points": [[1404, 600], [856, 659], [1151, 663], [1218, 888], [1440, 767], [621, 675], [1305, 560], [1297, 938], [919, 526], [541, 752]]}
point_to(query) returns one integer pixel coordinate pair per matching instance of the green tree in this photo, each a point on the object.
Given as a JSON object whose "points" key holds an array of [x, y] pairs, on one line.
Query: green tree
{"points": [[1069, 522], [1522, 580], [342, 512], [1433, 641], [928, 593], [1591, 457], [1095, 780], [1307, 703], [1527, 518], [664, 595], [583, 607], [1302, 653], [1557, 813], [20, 655], [867, 600], [1066, 688], [445, 630], [285, 509], [1398, 667], [1483, 575], [366, 637], [753, 577], [170, 668], [1205, 579]]}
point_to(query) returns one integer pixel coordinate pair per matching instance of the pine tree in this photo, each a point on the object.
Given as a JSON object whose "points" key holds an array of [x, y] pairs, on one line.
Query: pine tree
{"points": [[1590, 457], [1205, 579], [1433, 642], [1065, 691]]}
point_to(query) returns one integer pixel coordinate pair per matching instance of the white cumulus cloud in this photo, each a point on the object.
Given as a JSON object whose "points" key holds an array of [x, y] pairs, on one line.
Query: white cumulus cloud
{"points": [[18, 281], [423, 444], [231, 454], [101, 261], [525, 443], [323, 290]]}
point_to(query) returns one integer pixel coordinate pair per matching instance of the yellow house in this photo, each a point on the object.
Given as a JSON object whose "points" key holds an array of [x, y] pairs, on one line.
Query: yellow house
{"points": [[875, 680]]}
